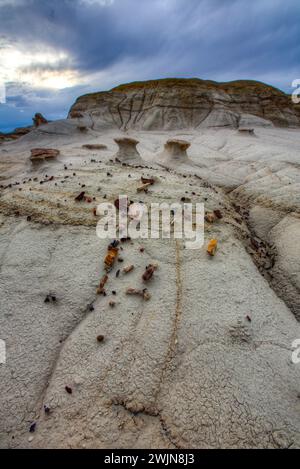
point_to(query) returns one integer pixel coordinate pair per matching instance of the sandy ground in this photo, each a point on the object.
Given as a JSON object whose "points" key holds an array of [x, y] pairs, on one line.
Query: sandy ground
{"points": [[207, 361]]}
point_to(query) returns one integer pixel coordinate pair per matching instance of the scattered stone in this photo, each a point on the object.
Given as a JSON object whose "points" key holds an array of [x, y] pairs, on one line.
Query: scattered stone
{"points": [[80, 197], [143, 293], [218, 214], [43, 153], [50, 298], [128, 269], [114, 244], [150, 269], [118, 272], [94, 146], [147, 181], [47, 410], [32, 427], [248, 318], [69, 390], [102, 284], [212, 247], [111, 257], [100, 338], [124, 240], [112, 304], [146, 294]]}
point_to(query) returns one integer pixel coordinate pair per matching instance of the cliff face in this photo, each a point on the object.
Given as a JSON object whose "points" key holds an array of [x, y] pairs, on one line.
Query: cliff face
{"points": [[172, 104]]}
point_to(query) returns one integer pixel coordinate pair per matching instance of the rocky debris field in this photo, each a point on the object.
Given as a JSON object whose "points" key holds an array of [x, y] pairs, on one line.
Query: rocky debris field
{"points": [[142, 342]]}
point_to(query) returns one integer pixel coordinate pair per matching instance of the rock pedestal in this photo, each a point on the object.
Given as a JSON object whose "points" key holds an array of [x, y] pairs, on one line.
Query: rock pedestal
{"points": [[127, 152], [176, 149]]}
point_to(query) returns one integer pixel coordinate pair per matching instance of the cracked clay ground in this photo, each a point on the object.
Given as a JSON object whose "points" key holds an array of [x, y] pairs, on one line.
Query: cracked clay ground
{"points": [[186, 369]]}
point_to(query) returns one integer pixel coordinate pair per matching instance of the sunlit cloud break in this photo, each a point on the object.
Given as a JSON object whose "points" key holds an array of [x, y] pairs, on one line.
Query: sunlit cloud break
{"points": [[40, 69]]}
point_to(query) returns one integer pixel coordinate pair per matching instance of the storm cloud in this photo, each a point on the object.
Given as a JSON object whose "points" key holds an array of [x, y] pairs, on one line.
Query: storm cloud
{"points": [[53, 51]]}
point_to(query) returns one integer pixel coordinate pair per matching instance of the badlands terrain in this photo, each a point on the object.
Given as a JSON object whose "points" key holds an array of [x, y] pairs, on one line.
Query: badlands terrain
{"points": [[205, 360]]}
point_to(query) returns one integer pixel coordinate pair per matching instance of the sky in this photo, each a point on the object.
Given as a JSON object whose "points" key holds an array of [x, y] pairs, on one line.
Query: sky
{"points": [[52, 51]]}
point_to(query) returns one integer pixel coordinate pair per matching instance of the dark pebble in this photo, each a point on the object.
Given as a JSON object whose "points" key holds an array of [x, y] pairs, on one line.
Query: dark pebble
{"points": [[47, 409], [32, 427]]}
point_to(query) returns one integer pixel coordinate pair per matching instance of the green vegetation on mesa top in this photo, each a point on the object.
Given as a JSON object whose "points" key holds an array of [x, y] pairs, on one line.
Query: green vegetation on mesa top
{"points": [[237, 86]]}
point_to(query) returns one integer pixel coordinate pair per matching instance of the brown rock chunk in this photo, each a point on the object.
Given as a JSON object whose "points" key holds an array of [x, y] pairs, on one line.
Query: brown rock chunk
{"points": [[43, 153], [212, 247], [111, 257], [39, 119], [150, 269], [147, 180], [143, 293], [80, 197], [102, 284], [128, 269]]}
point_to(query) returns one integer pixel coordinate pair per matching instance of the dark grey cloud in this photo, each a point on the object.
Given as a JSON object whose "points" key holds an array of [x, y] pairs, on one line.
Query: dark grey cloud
{"points": [[107, 43]]}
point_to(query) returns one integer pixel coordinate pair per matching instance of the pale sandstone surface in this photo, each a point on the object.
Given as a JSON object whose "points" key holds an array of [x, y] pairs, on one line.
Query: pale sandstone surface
{"points": [[186, 368]]}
